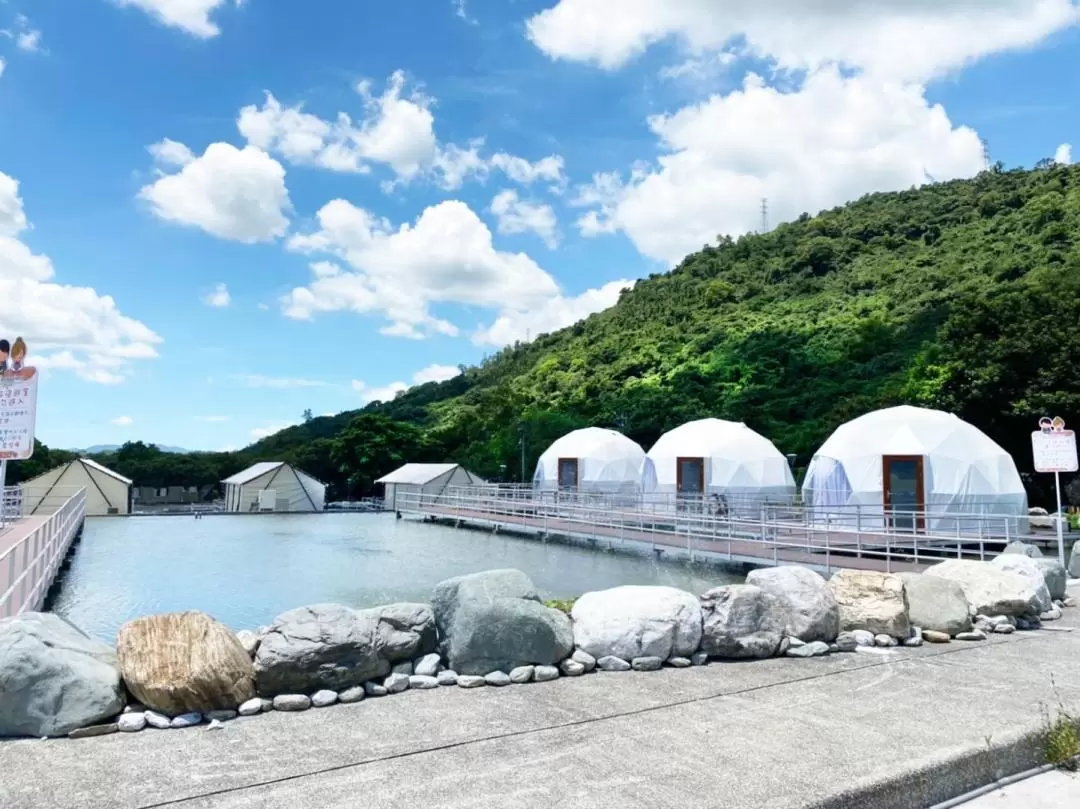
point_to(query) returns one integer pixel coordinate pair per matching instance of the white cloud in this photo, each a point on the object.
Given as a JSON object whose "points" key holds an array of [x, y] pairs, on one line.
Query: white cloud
{"points": [[516, 215], [214, 419], [260, 381], [447, 256], [122, 421], [461, 11], [435, 373], [914, 40], [3, 66], [397, 130], [66, 327], [1063, 155], [722, 156], [191, 16], [26, 38], [231, 193], [170, 153], [219, 298], [556, 313]]}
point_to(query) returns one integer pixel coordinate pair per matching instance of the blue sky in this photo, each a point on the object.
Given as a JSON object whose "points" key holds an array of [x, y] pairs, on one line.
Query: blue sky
{"points": [[194, 262]]}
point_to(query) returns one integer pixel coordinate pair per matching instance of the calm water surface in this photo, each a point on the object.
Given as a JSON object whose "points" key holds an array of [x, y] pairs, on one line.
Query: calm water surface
{"points": [[245, 570]]}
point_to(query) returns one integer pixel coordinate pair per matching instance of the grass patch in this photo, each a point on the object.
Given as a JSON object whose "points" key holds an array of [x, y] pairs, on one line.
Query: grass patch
{"points": [[563, 604], [1061, 740]]}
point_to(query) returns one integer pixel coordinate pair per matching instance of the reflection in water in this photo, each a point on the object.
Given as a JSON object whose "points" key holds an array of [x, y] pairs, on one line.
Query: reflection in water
{"points": [[245, 570]]}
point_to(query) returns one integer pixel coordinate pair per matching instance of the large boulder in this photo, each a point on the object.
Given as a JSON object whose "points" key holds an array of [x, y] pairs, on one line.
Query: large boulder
{"points": [[184, 662], [494, 621], [742, 621], [54, 678], [871, 601], [813, 613], [1054, 574], [989, 590], [637, 621], [936, 604], [1028, 568], [1023, 549], [1074, 561], [406, 631]]}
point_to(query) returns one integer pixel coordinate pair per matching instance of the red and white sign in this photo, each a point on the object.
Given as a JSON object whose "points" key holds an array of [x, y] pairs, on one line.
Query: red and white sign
{"points": [[1054, 447], [18, 402]]}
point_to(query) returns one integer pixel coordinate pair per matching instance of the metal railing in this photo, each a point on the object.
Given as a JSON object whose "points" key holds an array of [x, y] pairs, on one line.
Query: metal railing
{"points": [[776, 533], [31, 550]]}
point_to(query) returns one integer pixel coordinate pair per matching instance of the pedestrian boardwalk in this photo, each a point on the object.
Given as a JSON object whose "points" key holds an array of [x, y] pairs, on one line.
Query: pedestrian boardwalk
{"points": [[31, 551], [744, 540]]}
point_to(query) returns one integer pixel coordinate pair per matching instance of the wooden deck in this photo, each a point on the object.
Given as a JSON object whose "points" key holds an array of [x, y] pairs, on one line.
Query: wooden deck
{"points": [[821, 549]]}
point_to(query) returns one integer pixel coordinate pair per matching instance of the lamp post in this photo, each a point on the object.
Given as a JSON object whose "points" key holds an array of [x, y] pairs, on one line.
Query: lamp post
{"points": [[521, 444]]}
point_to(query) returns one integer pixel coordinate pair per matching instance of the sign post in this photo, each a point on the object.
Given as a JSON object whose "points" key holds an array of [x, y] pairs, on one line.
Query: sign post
{"points": [[1054, 449], [18, 410]]}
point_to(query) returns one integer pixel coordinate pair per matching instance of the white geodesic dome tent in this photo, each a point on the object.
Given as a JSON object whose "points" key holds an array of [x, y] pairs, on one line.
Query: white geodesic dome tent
{"points": [[593, 459], [730, 463], [964, 482]]}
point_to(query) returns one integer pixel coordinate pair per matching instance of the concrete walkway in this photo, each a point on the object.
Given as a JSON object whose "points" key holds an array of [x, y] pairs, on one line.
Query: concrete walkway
{"points": [[904, 729]]}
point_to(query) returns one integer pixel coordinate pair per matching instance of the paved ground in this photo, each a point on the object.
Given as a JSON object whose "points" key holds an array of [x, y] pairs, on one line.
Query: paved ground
{"points": [[905, 729], [1052, 790]]}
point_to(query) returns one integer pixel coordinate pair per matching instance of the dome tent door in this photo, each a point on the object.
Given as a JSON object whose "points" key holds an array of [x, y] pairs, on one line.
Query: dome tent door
{"points": [[568, 473], [903, 492]]}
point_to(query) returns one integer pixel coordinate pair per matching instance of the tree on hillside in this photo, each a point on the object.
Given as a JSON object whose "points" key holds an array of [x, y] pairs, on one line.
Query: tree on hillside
{"points": [[372, 446]]}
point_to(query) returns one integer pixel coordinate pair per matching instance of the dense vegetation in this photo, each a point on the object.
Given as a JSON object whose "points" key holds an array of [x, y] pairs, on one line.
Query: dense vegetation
{"points": [[961, 296]]}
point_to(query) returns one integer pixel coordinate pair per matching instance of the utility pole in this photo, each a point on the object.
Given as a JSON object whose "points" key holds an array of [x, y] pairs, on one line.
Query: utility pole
{"points": [[764, 215]]}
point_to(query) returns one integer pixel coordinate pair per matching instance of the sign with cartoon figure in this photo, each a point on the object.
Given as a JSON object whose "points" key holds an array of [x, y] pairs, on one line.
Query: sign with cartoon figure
{"points": [[1053, 446], [18, 401]]}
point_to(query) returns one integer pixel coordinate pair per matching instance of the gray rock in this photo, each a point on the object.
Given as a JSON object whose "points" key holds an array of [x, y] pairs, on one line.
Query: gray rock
{"points": [[637, 621], [862, 637], [324, 698], [700, 658], [833, 648], [571, 668], [742, 621], [1023, 549], [585, 659], [612, 663], [222, 715], [846, 642], [936, 603], [267, 705], [646, 664], [1074, 561], [1028, 623], [974, 634], [331, 646], [251, 707], [1032, 572], [447, 677], [1070, 601], [1052, 614], [872, 601], [423, 681], [679, 662], [470, 681], [988, 588], [249, 640], [933, 636], [799, 651], [494, 621], [813, 613], [373, 689], [522, 674], [396, 683], [817, 648], [1055, 576], [1004, 629], [884, 640], [914, 642], [54, 678], [157, 720], [131, 722], [292, 702], [785, 644], [428, 665], [93, 730], [186, 720], [497, 678], [795, 643], [404, 667], [543, 674], [354, 694]]}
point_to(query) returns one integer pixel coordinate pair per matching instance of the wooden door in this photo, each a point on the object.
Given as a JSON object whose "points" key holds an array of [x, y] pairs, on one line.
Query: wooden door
{"points": [[903, 491], [568, 473], [690, 479]]}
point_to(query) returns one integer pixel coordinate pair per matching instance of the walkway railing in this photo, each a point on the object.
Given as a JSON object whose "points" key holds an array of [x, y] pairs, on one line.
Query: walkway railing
{"points": [[776, 534], [32, 548]]}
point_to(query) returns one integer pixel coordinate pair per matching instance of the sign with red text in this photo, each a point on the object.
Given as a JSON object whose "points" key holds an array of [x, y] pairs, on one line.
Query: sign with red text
{"points": [[18, 401], [1054, 447]]}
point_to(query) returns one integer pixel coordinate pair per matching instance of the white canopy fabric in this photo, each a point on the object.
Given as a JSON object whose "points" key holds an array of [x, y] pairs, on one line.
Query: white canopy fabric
{"points": [[967, 477], [607, 461], [740, 464]]}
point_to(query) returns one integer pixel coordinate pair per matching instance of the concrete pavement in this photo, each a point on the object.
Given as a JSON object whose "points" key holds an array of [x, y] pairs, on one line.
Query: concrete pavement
{"points": [[903, 729], [1051, 790]]}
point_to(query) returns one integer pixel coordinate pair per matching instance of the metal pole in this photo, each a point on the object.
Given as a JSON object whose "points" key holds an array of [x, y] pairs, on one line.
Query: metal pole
{"points": [[1057, 519]]}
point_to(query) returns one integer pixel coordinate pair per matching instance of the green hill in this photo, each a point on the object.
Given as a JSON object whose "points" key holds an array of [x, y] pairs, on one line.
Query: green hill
{"points": [[962, 296]]}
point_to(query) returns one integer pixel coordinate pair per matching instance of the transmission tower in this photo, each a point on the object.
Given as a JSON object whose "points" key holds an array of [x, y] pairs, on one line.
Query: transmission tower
{"points": [[764, 215], [985, 153]]}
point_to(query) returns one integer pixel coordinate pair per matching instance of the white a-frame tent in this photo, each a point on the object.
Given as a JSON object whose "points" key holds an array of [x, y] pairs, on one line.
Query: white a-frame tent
{"points": [[273, 486]]}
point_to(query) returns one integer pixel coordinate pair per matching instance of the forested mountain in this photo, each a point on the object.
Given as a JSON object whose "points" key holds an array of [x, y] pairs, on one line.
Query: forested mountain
{"points": [[962, 296]]}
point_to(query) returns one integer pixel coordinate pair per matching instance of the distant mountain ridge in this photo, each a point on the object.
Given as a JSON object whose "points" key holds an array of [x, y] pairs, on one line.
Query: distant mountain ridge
{"points": [[113, 447]]}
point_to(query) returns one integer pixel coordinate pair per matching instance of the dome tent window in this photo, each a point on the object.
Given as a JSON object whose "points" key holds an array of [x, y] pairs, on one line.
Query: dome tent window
{"points": [[915, 469]]}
